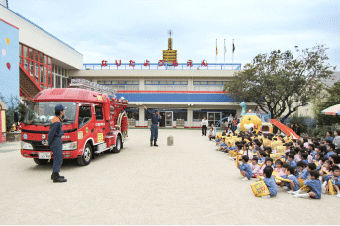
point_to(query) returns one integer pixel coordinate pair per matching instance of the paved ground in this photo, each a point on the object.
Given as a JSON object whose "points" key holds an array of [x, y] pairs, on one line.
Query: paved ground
{"points": [[188, 183]]}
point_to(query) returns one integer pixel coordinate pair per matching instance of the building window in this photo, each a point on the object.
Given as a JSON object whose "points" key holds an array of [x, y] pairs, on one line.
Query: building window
{"points": [[63, 82], [99, 113], [180, 114], [177, 114], [39, 69], [132, 113], [166, 85], [147, 116], [208, 85], [85, 115], [61, 77], [120, 85], [57, 81]]}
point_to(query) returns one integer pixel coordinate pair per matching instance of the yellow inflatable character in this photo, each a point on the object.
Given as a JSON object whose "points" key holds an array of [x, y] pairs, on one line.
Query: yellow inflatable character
{"points": [[250, 120]]}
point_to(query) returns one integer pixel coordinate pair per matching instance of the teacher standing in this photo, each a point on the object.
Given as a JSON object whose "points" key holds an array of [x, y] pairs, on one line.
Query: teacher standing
{"points": [[155, 118], [204, 125]]}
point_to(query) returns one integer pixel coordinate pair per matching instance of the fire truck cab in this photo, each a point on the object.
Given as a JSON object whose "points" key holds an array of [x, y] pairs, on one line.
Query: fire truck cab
{"points": [[95, 122]]}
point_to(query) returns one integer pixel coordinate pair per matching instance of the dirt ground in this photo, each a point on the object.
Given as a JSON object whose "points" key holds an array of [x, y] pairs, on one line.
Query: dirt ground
{"points": [[188, 183]]}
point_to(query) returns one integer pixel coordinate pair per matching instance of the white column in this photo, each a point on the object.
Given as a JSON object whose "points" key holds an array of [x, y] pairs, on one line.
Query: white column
{"points": [[190, 117], [141, 84], [190, 84], [141, 116]]}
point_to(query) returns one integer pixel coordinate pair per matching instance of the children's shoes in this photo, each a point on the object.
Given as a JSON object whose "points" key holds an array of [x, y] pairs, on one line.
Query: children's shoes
{"points": [[324, 184], [245, 178], [338, 195], [296, 192], [301, 196], [290, 192]]}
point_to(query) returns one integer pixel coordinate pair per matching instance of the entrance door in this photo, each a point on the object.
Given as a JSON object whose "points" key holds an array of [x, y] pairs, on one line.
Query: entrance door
{"points": [[168, 119], [162, 122], [211, 118], [214, 117]]}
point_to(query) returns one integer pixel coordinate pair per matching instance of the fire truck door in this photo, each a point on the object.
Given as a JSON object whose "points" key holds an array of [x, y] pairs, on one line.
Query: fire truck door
{"points": [[99, 124]]}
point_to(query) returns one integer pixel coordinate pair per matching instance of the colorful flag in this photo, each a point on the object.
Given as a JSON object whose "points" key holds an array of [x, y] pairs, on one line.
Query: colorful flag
{"points": [[216, 47], [225, 48]]}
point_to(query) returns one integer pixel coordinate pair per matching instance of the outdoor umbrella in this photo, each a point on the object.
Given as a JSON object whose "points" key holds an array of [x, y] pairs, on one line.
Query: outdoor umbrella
{"points": [[333, 110]]}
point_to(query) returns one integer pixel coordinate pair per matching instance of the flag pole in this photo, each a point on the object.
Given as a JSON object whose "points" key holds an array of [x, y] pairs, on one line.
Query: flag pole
{"points": [[216, 55], [224, 55], [232, 60]]}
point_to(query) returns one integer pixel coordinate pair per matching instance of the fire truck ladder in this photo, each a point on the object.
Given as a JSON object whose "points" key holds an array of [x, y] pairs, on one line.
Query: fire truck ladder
{"points": [[85, 84]]}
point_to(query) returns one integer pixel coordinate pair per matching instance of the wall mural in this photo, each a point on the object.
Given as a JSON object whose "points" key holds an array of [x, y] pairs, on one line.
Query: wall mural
{"points": [[9, 60], [9, 69]]}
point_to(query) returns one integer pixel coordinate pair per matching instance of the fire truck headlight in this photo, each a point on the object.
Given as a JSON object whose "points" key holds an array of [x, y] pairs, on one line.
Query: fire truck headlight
{"points": [[26, 146], [70, 146]]}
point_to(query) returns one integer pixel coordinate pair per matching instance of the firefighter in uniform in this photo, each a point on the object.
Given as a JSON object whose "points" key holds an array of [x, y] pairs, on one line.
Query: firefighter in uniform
{"points": [[54, 141], [155, 118]]}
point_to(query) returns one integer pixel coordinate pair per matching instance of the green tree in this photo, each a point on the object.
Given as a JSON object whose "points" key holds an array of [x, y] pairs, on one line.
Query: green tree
{"points": [[23, 108], [280, 83], [331, 97], [13, 104]]}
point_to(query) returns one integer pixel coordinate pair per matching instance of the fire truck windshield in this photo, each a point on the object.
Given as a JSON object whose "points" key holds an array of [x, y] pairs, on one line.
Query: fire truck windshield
{"points": [[41, 113]]}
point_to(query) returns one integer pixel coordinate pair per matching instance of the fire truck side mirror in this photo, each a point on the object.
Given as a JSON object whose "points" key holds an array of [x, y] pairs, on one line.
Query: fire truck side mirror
{"points": [[16, 117]]}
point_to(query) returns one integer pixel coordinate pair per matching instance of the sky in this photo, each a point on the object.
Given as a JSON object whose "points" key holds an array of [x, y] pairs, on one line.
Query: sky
{"points": [[137, 29]]}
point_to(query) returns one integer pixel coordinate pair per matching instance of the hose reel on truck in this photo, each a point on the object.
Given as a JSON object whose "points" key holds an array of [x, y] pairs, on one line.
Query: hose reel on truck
{"points": [[123, 124]]}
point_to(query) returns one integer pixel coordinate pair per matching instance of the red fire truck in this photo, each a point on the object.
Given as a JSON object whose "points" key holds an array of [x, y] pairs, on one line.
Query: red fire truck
{"points": [[95, 122]]}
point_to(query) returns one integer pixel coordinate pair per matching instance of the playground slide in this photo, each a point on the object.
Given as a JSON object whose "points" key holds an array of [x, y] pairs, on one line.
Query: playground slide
{"points": [[288, 131]]}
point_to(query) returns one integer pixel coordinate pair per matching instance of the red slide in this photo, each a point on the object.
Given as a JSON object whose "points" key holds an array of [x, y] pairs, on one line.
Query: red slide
{"points": [[288, 131]]}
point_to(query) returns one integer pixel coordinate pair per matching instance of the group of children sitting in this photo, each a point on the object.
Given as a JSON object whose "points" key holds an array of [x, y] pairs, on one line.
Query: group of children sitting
{"points": [[297, 166]]}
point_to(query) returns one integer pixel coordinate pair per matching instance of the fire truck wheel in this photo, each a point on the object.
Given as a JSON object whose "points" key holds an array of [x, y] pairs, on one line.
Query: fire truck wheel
{"points": [[85, 159], [40, 161], [118, 145]]}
